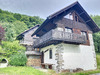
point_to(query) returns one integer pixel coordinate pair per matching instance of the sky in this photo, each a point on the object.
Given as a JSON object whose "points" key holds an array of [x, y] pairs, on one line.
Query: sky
{"points": [[44, 8]]}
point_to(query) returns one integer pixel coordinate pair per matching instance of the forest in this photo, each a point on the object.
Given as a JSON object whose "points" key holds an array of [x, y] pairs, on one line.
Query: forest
{"points": [[15, 23]]}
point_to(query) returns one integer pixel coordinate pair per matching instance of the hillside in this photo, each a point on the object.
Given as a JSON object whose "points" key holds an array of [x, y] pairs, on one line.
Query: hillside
{"points": [[96, 36], [15, 23]]}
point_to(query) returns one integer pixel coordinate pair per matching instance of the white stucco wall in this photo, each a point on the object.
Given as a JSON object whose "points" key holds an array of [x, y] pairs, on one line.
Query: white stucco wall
{"points": [[46, 55], [74, 56]]}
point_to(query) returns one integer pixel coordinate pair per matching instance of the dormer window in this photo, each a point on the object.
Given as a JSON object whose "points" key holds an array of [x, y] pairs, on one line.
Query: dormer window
{"points": [[69, 30]]}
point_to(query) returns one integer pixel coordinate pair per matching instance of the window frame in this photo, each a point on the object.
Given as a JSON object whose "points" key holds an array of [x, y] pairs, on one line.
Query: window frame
{"points": [[50, 54]]}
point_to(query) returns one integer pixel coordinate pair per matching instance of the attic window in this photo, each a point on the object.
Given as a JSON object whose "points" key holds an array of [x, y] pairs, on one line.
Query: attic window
{"points": [[69, 16]]}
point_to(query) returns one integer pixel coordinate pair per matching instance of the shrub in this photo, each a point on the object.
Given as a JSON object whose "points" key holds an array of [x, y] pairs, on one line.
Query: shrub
{"points": [[98, 60], [18, 60], [12, 48]]}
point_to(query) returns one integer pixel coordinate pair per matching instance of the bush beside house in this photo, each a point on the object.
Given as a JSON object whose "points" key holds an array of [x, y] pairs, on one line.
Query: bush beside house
{"points": [[18, 60], [14, 52]]}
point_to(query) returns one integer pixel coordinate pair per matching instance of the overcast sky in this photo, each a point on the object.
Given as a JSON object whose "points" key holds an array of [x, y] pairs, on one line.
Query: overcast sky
{"points": [[44, 8]]}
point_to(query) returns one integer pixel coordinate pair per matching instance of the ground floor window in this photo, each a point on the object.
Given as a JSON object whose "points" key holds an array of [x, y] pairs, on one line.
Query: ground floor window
{"points": [[50, 54]]}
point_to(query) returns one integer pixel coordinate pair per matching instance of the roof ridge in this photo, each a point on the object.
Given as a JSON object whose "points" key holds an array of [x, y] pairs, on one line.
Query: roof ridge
{"points": [[63, 9]]}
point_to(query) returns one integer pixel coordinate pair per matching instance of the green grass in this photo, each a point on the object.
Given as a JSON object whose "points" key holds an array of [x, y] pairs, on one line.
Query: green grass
{"points": [[20, 71], [24, 70]]}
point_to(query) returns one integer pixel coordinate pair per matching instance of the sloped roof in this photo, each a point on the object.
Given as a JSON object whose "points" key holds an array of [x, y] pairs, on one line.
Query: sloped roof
{"points": [[79, 9], [22, 34]]}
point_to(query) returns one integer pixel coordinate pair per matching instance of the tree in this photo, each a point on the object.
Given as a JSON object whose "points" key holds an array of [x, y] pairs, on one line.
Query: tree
{"points": [[19, 27], [17, 16], [10, 33], [18, 60], [0, 11], [96, 35], [12, 48], [1, 33]]}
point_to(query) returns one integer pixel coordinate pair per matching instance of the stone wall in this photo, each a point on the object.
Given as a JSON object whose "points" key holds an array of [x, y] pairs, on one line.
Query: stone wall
{"points": [[35, 62]]}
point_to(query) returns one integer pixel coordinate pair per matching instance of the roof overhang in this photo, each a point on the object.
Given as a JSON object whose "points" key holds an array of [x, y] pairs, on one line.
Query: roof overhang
{"points": [[81, 12], [20, 36]]}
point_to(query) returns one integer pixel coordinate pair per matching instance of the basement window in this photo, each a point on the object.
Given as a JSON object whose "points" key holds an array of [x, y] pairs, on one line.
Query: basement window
{"points": [[50, 54]]}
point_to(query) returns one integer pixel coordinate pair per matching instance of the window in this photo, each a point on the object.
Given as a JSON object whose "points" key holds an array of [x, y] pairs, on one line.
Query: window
{"points": [[85, 34], [69, 16], [50, 54], [60, 29], [37, 49], [76, 18], [68, 30]]}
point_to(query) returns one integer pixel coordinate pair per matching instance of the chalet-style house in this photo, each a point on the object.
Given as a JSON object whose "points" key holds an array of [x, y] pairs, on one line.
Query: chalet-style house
{"points": [[32, 54], [65, 40]]}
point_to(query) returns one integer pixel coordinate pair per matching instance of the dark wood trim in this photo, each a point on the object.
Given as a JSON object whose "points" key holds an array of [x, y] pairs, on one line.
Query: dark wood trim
{"points": [[42, 57]]}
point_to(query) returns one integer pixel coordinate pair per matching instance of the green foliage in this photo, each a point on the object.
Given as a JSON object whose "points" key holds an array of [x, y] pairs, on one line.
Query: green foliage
{"points": [[17, 16], [0, 11], [21, 70], [19, 27], [10, 33], [12, 48], [13, 29], [96, 35], [18, 60], [1, 33], [15, 23], [98, 60]]}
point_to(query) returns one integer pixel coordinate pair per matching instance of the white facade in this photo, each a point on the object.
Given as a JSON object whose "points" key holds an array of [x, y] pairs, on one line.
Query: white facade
{"points": [[74, 56]]}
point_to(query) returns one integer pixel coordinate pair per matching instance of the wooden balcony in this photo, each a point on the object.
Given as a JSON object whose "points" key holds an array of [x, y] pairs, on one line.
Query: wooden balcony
{"points": [[55, 36], [23, 42]]}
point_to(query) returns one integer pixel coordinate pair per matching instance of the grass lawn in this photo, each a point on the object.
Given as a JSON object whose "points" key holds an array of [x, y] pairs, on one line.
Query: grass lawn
{"points": [[20, 71], [31, 71]]}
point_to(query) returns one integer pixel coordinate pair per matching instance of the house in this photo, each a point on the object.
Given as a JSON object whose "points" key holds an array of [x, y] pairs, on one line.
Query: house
{"points": [[32, 54], [65, 40]]}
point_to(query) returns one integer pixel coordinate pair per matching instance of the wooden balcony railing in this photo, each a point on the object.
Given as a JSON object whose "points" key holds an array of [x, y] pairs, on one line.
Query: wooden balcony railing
{"points": [[56, 35], [26, 42]]}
